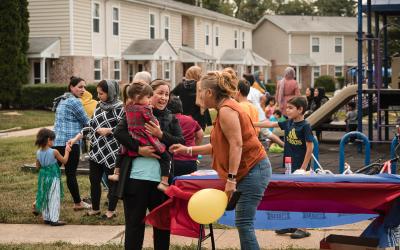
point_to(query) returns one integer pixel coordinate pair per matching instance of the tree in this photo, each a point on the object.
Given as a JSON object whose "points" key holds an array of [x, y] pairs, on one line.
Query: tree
{"points": [[335, 8], [296, 7], [23, 65], [394, 35], [252, 10], [10, 49]]}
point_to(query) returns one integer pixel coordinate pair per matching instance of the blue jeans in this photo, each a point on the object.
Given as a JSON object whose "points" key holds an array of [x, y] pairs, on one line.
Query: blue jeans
{"points": [[252, 188]]}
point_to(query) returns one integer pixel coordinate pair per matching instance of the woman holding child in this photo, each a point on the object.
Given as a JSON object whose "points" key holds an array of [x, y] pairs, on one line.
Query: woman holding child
{"points": [[238, 156], [140, 176], [103, 146]]}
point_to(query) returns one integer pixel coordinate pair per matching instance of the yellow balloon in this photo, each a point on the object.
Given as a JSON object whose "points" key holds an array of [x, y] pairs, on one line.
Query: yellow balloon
{"points": [[207, 205]]}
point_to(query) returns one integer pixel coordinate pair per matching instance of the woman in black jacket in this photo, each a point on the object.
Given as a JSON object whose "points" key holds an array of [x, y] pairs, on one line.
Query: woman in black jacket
{"points": [[139, 177], [187, 92]]}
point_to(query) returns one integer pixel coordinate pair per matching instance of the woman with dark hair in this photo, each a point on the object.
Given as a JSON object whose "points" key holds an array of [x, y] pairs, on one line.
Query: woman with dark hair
{"points": [[103, 146], [319, 99], [187, 92], [310, 97], [70, 119], [140, 176]]}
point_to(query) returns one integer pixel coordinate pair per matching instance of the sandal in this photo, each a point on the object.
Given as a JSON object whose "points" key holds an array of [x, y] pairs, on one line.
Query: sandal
{"points": [[83, 205], [93, 212], [105, 217]]}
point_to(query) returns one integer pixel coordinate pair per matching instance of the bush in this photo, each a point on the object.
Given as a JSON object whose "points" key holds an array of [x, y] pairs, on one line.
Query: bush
{"points": [[41, 96], [327, 82], [271, 88], [340, 81]]}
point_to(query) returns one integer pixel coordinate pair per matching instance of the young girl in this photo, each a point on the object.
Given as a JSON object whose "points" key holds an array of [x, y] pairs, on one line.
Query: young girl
{"points": [[270, 108], [50, 191], [138, 113]]}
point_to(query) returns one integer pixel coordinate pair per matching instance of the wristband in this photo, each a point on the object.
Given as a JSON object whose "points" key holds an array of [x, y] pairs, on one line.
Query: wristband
{"points": [[189, 151], [231, 181]]}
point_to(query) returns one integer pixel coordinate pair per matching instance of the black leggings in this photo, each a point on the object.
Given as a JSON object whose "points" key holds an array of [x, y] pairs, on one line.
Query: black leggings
{"points": [[95, 175], [70, 170]]}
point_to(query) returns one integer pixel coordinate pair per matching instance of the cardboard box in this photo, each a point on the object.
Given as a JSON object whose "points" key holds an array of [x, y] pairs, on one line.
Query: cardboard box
{"points": [[343, 242]]}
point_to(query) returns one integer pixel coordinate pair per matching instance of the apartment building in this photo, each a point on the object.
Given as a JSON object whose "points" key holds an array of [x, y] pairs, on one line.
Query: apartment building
{"points": [[313, 45], [114, 39]]}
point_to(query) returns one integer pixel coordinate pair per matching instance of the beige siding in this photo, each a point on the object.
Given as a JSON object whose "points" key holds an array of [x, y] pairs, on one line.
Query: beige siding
{"points": [[300, 44], [82, 28], [200, 36], [271, 43], [49, 18], [327, 54], [350, 49], [188, 30], [134, 23], [175, 31]]}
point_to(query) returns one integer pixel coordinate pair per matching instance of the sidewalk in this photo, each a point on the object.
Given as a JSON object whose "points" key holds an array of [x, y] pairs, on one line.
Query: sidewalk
{"points": [[19, 133], [224, 238]]}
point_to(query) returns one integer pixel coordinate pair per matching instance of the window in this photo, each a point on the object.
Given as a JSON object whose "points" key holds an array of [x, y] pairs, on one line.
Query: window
{"points": [[96, 17], [166, 27], [243, 43], [130, 72], [115, 21], [97, 70], [167, 69], [316, 71], [338, 45], [315, 44], [152, 26], [235, 38], [117, 70], [207, 34], [338, 71], [216, 36]]}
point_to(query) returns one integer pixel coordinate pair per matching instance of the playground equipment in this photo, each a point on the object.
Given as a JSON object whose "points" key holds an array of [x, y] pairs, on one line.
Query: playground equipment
{"points": [[345, 140]]}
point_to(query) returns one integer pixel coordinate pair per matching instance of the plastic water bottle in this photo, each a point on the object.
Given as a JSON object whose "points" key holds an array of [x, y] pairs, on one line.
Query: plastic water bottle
{"points": [[288, 165]]}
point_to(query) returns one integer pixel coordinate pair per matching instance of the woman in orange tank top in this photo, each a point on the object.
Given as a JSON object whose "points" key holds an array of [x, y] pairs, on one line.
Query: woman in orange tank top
{"points": [[238, 156]]}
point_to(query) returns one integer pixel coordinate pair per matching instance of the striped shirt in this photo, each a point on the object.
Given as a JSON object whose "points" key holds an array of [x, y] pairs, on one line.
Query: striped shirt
{"points": [[70, 119]]}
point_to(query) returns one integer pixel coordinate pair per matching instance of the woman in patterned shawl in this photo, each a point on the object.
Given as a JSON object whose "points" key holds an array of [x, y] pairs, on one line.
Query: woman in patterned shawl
{"points": [[103, 146]]}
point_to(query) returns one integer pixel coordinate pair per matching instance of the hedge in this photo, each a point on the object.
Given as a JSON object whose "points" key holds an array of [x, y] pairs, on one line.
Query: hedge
{"points": [[327, 82], [271, 88], [41, 96]]}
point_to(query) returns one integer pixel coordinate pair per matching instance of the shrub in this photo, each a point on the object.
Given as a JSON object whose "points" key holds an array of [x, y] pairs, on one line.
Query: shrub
{"points": [[340, 81], [41, 96], [271, 88], [328, 82]]}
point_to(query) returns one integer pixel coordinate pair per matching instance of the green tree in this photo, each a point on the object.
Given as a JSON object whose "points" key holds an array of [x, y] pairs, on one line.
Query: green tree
{"points": [[23, 66], [296, 7], [394, 35], [252, 10], [335, 8], [10, 25]]}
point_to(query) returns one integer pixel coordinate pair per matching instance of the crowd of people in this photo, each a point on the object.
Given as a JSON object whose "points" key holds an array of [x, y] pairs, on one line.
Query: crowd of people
{"points": [[141, 138]]}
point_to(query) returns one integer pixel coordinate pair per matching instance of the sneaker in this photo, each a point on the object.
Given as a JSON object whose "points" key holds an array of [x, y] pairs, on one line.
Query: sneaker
{"points": [[286, 231], [299, 234]]}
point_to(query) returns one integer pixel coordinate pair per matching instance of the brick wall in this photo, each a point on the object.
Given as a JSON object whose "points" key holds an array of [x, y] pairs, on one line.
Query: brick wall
{"points": [[63, 68]]}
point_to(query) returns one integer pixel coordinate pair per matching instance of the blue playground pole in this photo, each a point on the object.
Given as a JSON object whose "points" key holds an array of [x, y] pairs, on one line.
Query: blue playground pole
{"points": [[315, 151], [345, 140], [395, 141]]}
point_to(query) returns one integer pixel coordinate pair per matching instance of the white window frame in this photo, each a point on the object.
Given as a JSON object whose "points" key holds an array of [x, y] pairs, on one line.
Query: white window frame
{"points": [[338, 73], [243, 40], [115, 21], [235, 39], [167, 69], [339, 45], [315, 71], [97, 69], [166, 27], [217, 37], [152, 25], [316, 45], [94, 17], [117, 70], [207, 34]]}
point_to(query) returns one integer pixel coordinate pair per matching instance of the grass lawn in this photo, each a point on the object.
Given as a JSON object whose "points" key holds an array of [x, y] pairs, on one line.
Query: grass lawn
{"points": [[25, 119], [18, 188]]}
